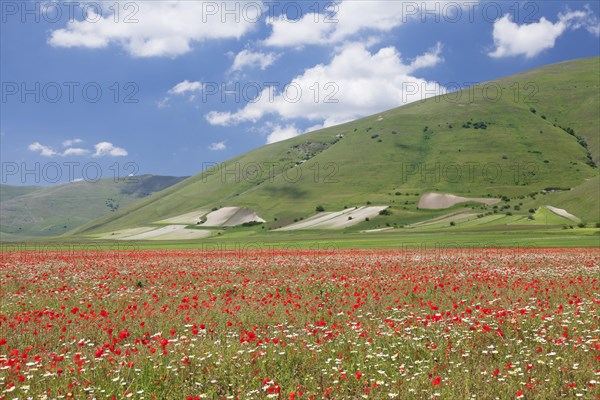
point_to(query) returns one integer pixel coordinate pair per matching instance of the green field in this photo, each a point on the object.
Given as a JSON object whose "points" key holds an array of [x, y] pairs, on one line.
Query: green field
{"points": [[247, 240]]}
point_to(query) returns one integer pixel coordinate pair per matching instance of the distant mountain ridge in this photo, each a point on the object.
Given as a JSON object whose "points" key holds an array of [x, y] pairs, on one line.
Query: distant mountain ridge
{"points": [[36, 211]]}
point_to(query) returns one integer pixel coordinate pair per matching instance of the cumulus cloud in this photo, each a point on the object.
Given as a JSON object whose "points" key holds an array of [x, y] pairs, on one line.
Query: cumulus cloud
{"points": [[355, 83], [108, 149], [429, 59], [102, 149], [280, 133], [71, 142], [157, 28], [297, 33], [247, 58], [218, 146], [75, 151], [181, 89], [43, 150], [529, 40], [185, 87], [340, 21]]}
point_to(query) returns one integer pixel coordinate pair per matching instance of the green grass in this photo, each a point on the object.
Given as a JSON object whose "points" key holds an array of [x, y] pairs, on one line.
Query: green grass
{"points": [[8, 192], [582, 201], [547, 217], [462, 235]]}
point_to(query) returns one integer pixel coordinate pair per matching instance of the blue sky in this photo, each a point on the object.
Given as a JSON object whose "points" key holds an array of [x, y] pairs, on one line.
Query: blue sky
{"points": [[164, 87]]}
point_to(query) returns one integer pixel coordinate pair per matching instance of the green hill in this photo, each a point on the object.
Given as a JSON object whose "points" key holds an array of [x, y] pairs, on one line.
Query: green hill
{"points": [[8, 192], [533, 140], [32, 211]]}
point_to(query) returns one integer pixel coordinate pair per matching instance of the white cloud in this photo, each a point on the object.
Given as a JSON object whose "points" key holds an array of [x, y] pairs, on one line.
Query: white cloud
{"points": [[218, 146], [180, 89], [247, 58], [102, 149], [227, 118], [164, 102], [71, 142], [429, 59], [594, 29], [280, 133], [43, 150], [355, 83], [186, 86], [582, 19], [529, 40], [297, 33], [108, 149], [75, 151], [157, 28], [340, 21]]}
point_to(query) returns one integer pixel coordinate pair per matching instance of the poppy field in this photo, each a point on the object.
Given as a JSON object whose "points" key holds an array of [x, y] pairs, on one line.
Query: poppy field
{"points": [[186, 324]]}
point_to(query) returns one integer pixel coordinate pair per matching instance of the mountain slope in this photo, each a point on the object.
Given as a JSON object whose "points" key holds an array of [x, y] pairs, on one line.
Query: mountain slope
{"points": [[51, 211], [8, 192], [533, 132]]}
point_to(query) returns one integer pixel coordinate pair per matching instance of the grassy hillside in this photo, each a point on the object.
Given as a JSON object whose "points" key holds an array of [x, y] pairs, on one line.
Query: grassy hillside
{"points": [[8, 192], [51, 211], [533, 134], [582, 200]]}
